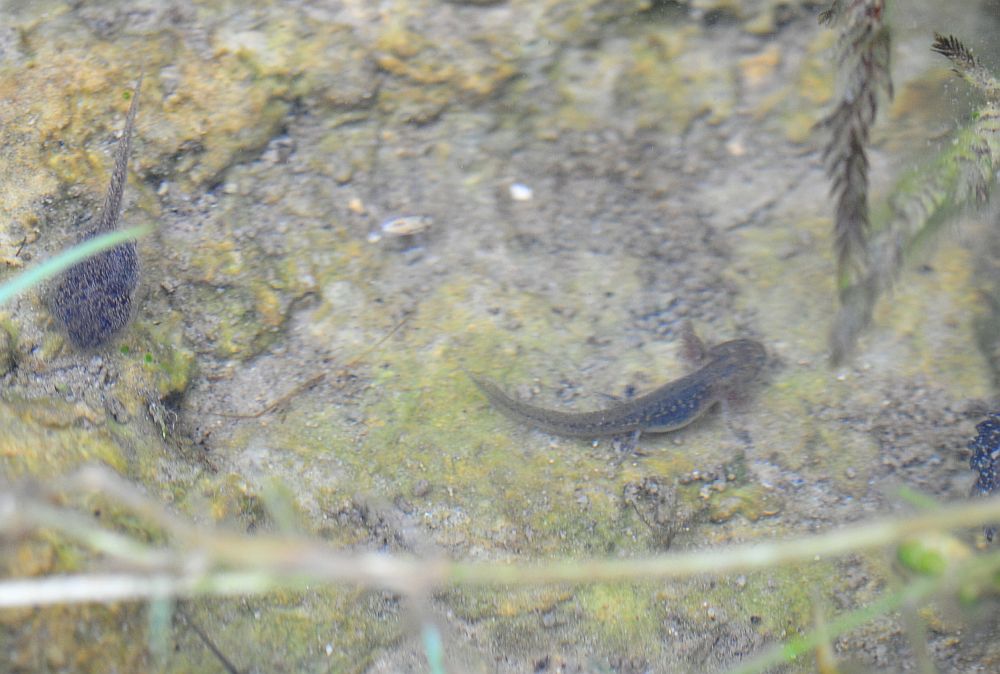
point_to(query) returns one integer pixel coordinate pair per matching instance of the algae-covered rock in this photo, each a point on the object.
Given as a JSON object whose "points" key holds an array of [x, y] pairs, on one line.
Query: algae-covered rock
{"points": [[286, 371], [8, 350]]}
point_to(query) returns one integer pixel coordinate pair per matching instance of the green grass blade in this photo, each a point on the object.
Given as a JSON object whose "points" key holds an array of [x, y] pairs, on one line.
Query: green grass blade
{"points": [[51, 267]]}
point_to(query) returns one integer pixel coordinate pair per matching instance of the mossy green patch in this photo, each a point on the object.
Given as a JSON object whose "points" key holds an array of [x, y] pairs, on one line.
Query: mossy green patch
{"points": [[801, 245], [328, 630], [51, 437], [798, 105], [931, 335], [661, 84], [108, 629], [779, 601], [585, 21], [750, 501], [157, 359], [476, 604], [932, 553], [624, 618]]}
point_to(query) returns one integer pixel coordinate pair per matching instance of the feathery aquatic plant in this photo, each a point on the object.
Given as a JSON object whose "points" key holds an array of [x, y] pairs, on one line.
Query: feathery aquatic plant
{"points": [[863, 57], [923, 198]]}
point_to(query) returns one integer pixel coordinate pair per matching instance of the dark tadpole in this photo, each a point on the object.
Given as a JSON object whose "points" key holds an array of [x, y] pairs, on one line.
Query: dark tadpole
{"points": [[986, 461], [93, 299]]}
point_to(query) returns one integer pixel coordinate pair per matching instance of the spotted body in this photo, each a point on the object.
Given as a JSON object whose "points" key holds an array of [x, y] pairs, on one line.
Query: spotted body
{"points": [[985, 461], [93, 299], [726, 369]]}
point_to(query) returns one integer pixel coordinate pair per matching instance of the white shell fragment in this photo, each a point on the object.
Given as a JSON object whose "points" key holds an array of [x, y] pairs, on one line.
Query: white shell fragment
{"points": [[521, 192], [407, 225]]}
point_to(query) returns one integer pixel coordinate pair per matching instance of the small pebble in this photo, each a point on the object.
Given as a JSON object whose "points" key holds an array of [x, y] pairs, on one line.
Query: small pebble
{"points": [[521, 192], [407, 225]]}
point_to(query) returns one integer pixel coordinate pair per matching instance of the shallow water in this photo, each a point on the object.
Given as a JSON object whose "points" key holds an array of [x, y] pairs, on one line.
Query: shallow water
{"points": [[577, 180]]}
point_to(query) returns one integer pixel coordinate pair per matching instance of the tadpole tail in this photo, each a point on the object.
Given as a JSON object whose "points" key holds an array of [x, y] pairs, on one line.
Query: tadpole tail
{"points": [[112, 209], [568, 424]]}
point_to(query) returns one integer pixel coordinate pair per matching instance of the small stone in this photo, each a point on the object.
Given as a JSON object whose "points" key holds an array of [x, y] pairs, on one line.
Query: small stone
{"points": [[421, 488], [406, 226], [116, 410]]}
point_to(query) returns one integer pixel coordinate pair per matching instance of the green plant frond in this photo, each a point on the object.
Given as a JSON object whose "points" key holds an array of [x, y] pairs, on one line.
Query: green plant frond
{"points": [[40, 273], [923, 199], [966, 65]]}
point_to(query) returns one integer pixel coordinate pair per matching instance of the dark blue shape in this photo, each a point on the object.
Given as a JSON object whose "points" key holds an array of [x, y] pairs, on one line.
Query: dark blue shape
{"points": [[985, 457], [93, 299]]}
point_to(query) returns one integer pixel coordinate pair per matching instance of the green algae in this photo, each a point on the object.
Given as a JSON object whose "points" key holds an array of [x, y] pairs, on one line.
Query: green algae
{"points": [[64, 649], [625, 617], [493, 488], [777, 602], [425, 423], [8, 344], [51, 437], [753, 502], [794, 104], [168, 364], [246, 291], [323, 630], [652, 74]]}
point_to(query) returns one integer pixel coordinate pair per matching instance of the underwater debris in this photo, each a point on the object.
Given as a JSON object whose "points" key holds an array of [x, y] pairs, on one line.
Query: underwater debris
{"points": [[863, 57], [93, 299], [408, 225], [986, 461], [964, 171]]}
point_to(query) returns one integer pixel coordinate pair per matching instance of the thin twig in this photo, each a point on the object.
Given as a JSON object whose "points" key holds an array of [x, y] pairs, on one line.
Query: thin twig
{"points": [[916, 591], [114, 587], [312, 381], [209, 644], [228, 563], [19, 513]]}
